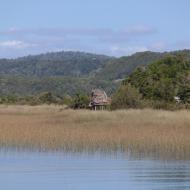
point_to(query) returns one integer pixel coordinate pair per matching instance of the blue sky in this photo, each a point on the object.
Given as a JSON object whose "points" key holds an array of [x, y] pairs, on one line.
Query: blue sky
{"points": [[112, 27]]}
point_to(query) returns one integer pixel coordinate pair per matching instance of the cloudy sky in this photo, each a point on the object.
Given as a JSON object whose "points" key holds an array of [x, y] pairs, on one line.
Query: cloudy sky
{"points": [[112, 27]]}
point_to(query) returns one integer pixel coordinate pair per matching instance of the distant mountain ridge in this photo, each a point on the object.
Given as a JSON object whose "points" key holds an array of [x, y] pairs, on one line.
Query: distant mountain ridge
{"points": [[54, 64], [121, 67], [70, 72]]}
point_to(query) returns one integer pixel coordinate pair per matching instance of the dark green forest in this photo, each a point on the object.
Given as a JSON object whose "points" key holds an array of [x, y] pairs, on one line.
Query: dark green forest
{"points": [[65, 74], [157, 85]]}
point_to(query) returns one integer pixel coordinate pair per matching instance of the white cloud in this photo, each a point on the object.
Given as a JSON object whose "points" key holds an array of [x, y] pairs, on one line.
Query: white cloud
{"points": [[107, 33], [15, 44], [23, 41]]}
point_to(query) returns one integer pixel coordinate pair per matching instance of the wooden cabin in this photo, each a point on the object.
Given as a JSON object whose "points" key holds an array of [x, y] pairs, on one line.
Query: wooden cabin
{"points": [[99, 99]]}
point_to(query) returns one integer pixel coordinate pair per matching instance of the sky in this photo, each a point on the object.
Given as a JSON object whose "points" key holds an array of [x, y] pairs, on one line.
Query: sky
{"points": [[111, 27]]}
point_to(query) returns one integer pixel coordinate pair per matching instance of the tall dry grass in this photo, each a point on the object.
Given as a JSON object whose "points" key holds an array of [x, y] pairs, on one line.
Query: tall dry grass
{"points": [[56, 128]]}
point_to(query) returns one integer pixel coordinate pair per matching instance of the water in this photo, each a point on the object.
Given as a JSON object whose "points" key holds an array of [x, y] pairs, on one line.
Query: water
{"points": [[63, 171]]}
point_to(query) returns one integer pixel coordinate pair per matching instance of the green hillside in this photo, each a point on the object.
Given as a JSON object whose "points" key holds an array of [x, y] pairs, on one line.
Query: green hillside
{"points": [[70, 72], [121, 67], [124, 66], [73, 64], [158, 84], [162, 80]]}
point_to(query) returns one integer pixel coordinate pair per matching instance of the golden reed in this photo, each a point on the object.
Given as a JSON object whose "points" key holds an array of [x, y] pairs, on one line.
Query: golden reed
{"points": [[56, 128]]}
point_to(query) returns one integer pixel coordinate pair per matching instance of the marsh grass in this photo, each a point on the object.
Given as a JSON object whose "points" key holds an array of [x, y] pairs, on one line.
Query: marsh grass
{"points": [[55, 128]]}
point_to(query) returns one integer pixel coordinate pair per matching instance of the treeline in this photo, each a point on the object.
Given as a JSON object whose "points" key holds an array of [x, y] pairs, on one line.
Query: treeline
{"points": [[72, 64], [78, 101], [164, 84], [43, 98], [67, 73], [62, 73]]}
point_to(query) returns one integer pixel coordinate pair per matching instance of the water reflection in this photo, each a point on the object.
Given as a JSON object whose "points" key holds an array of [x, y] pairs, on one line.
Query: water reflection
{"points": [[58, 171]]}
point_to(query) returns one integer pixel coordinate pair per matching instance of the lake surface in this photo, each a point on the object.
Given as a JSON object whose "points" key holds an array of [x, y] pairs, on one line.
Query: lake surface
{"points": [[74, 171]]}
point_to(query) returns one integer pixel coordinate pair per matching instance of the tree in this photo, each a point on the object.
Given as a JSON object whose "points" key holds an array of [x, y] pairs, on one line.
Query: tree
{"points": [[126, 97], [80, 101], [47, 98], [184, 94], [161, 80]]}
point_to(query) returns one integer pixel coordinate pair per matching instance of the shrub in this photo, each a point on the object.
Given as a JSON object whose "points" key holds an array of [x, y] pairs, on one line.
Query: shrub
{"points": [[127, 97], [47, 98], [80, 101]]}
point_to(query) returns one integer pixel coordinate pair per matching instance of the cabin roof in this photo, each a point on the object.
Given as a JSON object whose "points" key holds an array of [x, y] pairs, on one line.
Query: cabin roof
{"points": [[99, 97]]}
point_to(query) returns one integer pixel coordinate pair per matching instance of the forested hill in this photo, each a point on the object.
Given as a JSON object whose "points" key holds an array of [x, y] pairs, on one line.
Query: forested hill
{"points": [[70, 72], [124, 66], [54, 64], [164, 84]]}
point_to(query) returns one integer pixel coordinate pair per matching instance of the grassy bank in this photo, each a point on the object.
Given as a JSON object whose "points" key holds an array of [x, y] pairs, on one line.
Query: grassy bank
{"points": [[55, 128]]}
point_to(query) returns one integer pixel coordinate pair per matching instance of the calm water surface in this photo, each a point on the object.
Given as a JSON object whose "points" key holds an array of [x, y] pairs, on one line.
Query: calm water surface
{"points": [[66, 171]]}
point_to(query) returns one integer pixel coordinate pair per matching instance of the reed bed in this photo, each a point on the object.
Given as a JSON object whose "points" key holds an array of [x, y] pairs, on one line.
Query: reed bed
{"points": [[55, 128]]}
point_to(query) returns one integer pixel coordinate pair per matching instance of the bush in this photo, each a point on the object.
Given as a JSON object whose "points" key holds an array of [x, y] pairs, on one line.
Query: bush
{"points": [[80, 101], [47, 98], [9, 99], [67, 100], [127, 97]]}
